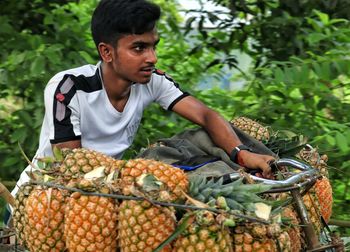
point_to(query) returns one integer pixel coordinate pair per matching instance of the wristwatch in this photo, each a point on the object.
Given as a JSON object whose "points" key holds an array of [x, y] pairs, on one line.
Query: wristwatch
{"points": [[234, 152]]}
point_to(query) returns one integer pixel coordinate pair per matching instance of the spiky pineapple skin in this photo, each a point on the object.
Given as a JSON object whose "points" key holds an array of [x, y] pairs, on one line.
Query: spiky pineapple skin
{"points": [[19, 219], [143, 226], [158, 223], [252, 128], [91, 223], [293, 229], [209, 237], [253, 237], [313, 209], [174, 178], [81, 161], [44, 212], [324, 191], [321, 193]]}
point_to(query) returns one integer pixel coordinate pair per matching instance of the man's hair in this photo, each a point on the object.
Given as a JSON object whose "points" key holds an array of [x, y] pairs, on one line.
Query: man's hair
{"points": [[114, 18]]}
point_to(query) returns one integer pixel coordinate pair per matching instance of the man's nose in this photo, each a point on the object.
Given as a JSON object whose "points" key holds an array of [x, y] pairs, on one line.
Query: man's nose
{"points": [[152, 56]]}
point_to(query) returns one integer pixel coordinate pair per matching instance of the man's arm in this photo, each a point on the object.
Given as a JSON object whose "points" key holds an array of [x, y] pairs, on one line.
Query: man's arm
{"points": [[221, 133]]}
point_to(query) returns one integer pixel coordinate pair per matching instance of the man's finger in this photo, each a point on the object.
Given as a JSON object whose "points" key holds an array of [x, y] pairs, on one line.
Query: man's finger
{"points": [[266, 170]]}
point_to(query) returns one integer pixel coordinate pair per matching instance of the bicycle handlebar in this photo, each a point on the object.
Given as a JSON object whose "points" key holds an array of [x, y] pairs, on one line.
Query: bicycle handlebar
{"points": [[307, 172]]}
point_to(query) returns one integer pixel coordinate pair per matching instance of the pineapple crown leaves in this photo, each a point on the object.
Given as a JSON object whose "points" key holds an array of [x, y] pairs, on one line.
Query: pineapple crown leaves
{"points": [[286, 143], [234, 196], [49, 163], [58, 154], [37, 172]]}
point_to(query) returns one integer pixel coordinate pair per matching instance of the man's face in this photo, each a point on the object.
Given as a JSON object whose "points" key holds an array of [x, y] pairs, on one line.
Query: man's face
{"points": [[134, 57]]}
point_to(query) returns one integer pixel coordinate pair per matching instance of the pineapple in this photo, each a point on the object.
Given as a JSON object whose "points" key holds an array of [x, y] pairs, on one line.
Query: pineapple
{"points": [[321, 192], [91, 220], [294, 229], [91, 223], [143, 226], [174, 178], [252, 128], [81, 161], [313, 210], [204, 234], [243, 198], [19, 220], [85, 223], [258, 237], [44, 213]]}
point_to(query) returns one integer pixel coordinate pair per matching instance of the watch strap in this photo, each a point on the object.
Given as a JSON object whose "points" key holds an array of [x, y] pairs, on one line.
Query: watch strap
{"points": [[236, 150]]}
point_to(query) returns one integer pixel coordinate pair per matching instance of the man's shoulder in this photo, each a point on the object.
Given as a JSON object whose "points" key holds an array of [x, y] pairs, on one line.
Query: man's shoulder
{"points": [[85, 70], [85, 78], [157, 73], [159, 76]]}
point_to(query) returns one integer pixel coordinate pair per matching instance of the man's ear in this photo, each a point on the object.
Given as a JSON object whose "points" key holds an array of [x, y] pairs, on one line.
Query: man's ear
{"points": [[105, 51]]}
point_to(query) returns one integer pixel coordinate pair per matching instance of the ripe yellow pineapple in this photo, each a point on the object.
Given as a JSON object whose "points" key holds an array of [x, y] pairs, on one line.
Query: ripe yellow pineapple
{"points": [[258, 237], [143, 226], [252, 128], [321, 193], [80, 161], [174, 178], [294, 229], [19, 219], [243, 198], [324, 195], [44, 212], [313, 210], [90, 223], [204, 234]]}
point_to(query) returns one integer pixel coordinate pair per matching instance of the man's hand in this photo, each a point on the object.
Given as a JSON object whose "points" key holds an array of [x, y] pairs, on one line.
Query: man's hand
{"points": [[256, 161], [222, 134]]}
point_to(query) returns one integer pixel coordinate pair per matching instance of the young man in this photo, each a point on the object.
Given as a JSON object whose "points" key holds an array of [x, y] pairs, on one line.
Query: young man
{"points": [[100, 107]]}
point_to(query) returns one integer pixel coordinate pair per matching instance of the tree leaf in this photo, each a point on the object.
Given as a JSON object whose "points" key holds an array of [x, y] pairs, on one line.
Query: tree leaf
{"points": [[342, 142], [37, 66]]}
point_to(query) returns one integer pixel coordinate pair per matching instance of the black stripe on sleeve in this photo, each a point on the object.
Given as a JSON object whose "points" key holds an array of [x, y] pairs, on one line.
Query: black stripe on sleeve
{"points": [[166, 76], [63, 127], [177, 100]]}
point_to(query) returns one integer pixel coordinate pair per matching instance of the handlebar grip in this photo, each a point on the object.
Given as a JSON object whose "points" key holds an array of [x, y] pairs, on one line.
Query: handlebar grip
{"points": [[306, 171]]}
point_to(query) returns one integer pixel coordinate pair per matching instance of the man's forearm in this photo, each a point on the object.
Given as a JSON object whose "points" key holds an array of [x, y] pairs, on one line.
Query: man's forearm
{"points": [[221, 131]]}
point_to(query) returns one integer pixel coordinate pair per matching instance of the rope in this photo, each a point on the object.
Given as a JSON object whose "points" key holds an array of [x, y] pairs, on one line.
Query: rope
{"points": [[161, 203]]}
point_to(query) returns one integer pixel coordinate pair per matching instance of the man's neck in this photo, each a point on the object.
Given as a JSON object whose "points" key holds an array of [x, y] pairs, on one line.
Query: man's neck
{"points": [[116, 87]]}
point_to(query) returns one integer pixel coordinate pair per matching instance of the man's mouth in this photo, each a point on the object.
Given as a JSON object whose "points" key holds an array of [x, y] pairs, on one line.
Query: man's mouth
{"points": [[147, 70]]}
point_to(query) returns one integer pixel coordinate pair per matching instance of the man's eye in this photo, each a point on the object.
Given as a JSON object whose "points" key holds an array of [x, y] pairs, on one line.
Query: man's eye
{"points": [[139, 48]]}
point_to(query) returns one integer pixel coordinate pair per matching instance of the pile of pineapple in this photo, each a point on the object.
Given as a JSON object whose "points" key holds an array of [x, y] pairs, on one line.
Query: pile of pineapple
{"points": [[319, 199], [83, 200]]}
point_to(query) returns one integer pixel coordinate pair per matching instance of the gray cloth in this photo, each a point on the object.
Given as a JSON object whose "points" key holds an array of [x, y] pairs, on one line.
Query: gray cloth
{"points": [[196, 142]]}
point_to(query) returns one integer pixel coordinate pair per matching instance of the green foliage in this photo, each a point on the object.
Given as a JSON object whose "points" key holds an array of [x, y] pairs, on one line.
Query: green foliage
{"points": [[49, 38], [266, 30], [299, 79]]}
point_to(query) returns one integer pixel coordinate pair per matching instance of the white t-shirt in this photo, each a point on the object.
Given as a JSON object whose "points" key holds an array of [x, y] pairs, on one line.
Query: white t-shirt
{"points": [[77, 107]]}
